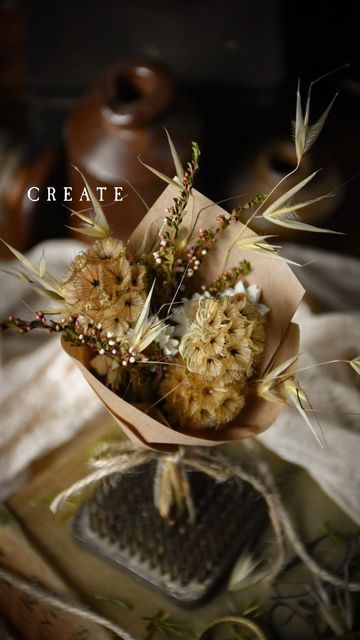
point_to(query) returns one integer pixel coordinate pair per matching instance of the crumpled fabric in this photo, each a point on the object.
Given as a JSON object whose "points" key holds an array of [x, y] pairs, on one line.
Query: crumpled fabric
{"points": [[333, 283], [45, 401]]}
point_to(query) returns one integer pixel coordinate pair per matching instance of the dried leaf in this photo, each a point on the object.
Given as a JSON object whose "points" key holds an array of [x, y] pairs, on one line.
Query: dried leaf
{"points": [[151, 331], [273, 374], [306, 135], [93, 233], [291, 221], [161, 175], [42, 266], [175, 156], [314, 130], [16, 274], [284, 216], [146, 330], [355, 364], [258, 244], [22, 259], [92, 229], [266, 387], [300, 134], [244, 573], [49, 284], [285, 197], [163, 493], [145, 310], [300, 205], [296, 394], [48, 293], [98, 220]]}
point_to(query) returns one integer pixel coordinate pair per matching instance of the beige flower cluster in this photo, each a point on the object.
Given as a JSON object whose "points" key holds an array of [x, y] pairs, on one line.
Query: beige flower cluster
{"points": [[106, 287], [221, 350], [191, 401]]}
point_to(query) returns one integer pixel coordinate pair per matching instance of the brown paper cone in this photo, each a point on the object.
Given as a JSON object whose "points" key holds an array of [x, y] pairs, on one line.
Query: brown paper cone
{"points": [[257, 416], [282, 293]]}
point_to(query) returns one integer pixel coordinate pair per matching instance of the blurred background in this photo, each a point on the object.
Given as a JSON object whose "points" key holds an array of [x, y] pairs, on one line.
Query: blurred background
{"points": [[94, 84]]}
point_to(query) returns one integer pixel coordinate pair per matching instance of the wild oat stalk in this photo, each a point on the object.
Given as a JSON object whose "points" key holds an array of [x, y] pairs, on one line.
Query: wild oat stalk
{"points": [[280, 385], [305, 135], [37, 276], [95, 224]]}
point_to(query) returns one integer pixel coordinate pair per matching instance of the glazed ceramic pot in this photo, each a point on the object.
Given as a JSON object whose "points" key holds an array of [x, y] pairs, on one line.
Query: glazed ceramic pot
{"points": [[123, 118]]}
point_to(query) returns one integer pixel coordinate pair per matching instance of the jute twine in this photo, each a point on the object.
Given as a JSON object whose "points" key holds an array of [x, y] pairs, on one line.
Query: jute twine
{"points": [[42, 596]]}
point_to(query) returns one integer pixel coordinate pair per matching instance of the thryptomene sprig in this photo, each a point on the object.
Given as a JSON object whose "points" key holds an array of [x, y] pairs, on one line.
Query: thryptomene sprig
{"points": [[228, 279], [25, 326], [165, 255], [207, 237], [90, 336]]}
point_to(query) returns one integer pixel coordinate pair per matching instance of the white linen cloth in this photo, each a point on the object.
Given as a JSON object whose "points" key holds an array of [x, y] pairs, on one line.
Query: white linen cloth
{"points": [[44, 400]]}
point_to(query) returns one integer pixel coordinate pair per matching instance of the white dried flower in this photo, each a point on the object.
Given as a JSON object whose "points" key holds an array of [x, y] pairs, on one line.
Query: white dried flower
{"points": [[253, 293], [168, 344]]}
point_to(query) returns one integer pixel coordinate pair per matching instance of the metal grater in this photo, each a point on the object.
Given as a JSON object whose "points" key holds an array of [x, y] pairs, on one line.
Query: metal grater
{"points": [[185, 561]]}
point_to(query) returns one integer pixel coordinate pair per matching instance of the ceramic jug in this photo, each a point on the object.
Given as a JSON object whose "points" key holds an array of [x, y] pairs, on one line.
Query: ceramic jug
{"points": [[122, 120]]}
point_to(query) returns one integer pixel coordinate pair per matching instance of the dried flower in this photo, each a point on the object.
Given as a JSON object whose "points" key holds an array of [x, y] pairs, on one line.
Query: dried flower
{"points": [[106, 287], [194, 403], [167, 343], [112, 370], [129, 305], [117, 276], [114, 322], [226, 338], [84, 285], [253, 294], [108, 249], [138, 277]]}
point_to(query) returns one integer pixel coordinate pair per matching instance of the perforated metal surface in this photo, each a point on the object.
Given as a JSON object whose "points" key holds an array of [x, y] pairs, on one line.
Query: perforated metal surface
{"points": [[185, 561]]}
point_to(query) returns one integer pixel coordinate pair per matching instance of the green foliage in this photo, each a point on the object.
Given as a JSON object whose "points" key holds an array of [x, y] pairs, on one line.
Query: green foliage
{"points": [[245, 267], [162, 625]]}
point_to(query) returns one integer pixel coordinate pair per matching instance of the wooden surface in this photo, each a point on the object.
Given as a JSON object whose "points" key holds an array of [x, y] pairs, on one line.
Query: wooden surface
{"points": [[94, 578]]}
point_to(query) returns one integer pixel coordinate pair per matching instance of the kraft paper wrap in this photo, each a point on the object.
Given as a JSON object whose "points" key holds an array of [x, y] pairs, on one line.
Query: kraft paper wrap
{"points": [[282, 293]]}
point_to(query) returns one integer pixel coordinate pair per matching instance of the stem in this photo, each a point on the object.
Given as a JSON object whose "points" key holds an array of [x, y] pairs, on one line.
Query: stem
{"points": [[246, 224], [310, 366]]}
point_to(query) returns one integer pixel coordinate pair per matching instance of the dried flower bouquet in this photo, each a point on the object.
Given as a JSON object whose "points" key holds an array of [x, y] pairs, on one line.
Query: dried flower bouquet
{"points": [[185, 331]]}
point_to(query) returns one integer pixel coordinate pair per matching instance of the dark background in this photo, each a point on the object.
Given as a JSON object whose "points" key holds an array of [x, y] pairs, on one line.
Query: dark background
{"points": [[238, 60]]}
